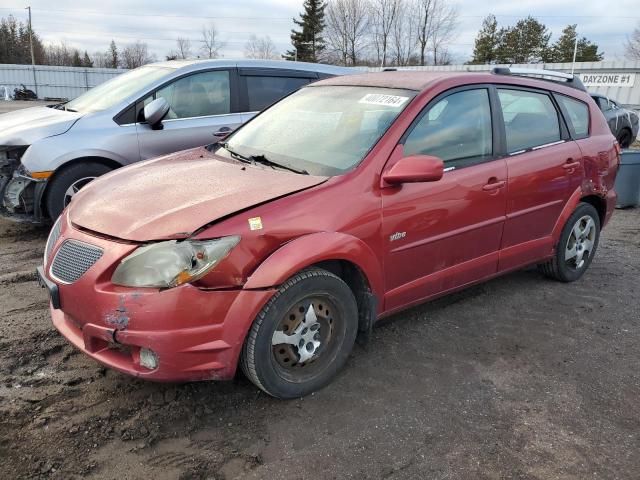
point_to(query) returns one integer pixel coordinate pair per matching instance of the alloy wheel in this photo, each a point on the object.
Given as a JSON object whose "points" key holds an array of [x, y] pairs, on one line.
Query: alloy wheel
{"points": [[580, 242], [75, 188]]}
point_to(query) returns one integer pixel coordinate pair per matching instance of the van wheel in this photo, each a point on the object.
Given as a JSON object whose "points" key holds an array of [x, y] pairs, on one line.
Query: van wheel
{"points": [[577, 245], [302, 336], [66, 183]]}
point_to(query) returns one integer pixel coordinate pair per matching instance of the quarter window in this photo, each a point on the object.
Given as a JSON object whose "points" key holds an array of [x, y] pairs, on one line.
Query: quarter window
{"points": [[263, 91], [198, 95], [530, 119], [456, 129], [578, 113]]}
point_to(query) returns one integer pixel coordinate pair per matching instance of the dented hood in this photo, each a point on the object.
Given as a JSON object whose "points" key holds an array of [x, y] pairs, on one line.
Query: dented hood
{"points": [[173, 196], [23, 127]]}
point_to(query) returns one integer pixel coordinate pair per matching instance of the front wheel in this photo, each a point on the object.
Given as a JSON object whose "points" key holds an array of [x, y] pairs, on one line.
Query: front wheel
{"points": [[66, 183], [577, 245], [303, 336]]}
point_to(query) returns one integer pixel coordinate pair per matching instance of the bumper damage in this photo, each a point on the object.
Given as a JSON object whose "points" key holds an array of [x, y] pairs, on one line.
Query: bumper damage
{"points": [[20, 195]]}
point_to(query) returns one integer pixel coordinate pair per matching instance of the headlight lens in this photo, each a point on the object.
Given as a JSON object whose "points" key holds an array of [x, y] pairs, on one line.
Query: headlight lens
{"points": [[172, 263]]}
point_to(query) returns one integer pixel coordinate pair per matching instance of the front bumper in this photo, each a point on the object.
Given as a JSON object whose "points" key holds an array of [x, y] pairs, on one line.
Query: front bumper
{"points": [[196, 334]]}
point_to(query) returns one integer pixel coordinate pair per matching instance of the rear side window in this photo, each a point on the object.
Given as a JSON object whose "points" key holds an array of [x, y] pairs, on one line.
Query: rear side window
{"points": [[578, 116], [530, 119], [265, 90], [456, 129]]}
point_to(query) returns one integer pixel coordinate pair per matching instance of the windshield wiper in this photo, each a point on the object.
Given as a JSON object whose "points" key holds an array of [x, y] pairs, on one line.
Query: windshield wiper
{"points": [[265, 161], [236, 155]]}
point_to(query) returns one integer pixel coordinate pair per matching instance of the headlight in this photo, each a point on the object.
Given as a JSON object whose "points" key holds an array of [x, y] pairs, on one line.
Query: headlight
{"points": [[172, 263]]}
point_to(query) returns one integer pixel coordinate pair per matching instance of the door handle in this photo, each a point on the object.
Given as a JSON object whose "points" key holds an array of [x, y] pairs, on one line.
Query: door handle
{"points": [[569, 164], [494, 185], [222, 132]]}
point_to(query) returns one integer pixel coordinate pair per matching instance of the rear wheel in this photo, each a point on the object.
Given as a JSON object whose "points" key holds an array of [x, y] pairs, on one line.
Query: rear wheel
{"points": [[66, 183], [303, 335], [577, 245], [624, 138]]}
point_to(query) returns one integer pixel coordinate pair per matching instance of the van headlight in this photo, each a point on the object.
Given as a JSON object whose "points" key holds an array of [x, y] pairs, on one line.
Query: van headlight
{"points": [[172, 263]]}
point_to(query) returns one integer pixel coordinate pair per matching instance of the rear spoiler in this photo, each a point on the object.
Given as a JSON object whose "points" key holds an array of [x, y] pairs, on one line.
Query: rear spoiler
{"points": [[567, 79]]}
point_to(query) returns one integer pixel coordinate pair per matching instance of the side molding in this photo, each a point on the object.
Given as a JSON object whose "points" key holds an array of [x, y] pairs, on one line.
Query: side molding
{"points": [[313, 248]]}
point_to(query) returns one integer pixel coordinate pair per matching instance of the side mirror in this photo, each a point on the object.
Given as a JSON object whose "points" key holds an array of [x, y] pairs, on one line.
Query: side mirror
{"points": [[415, 168], [155, 112]]}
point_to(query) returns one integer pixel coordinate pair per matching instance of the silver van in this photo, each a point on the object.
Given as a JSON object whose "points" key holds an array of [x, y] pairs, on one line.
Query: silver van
{"points": [[48, 153]]}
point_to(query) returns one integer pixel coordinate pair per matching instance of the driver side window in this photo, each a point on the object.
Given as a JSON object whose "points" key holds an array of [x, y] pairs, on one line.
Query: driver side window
{"points": [[199, 95], [456, 129]]}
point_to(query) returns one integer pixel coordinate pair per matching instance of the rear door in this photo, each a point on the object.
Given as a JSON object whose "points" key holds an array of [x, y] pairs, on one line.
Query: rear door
{"points": [[544, 169], [261, 87], [204, 106]]}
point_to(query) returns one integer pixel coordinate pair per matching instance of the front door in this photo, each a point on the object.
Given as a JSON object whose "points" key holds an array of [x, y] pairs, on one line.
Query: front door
{"points": [[544, 169], [445, 234], [202, 111]]}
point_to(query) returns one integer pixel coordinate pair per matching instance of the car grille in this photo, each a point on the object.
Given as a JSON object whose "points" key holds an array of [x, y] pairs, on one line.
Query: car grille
{"points": [[73, 259], [54, 235]]}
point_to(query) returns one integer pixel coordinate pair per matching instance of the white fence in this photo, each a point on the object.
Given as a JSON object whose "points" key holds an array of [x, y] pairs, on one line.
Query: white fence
{"points": [[54, 82], [619, 80]]}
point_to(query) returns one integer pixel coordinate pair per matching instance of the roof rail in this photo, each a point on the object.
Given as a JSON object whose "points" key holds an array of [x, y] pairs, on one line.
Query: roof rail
{"points": [[572, 81]]}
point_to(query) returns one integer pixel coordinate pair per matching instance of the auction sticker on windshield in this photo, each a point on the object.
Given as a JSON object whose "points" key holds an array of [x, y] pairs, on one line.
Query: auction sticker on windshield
{"points": [[383, 99]]}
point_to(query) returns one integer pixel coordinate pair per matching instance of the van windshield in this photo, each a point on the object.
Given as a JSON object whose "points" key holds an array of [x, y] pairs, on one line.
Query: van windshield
{"points": [[323, 130], [117, 89]]}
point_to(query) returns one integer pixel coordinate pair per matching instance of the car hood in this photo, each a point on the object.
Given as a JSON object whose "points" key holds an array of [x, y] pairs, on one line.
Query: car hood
{"points": [[23, 127], [175, 195]]}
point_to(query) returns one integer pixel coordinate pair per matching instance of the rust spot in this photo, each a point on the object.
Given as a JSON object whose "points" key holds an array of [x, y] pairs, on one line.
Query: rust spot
{"points": [[119, 318]]}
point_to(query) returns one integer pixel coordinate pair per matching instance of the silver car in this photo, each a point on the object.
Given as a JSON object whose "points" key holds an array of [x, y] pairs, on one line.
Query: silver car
{"points": [[48, 153]]}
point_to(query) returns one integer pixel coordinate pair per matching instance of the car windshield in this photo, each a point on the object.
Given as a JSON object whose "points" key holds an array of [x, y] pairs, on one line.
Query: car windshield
{"points": [[324, 130], [117, 89]]}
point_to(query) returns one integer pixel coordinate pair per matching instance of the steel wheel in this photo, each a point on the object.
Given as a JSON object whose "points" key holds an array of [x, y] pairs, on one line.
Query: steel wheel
{"points": [[75, 188], [580, 242]]}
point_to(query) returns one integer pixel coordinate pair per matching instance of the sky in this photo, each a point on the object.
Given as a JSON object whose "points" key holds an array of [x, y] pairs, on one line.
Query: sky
{"points": [[90, 25]]}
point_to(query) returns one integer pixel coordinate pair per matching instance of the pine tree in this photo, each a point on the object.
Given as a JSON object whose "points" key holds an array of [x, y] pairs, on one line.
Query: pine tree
{"points": [[487, 42], [112, 53], [562, 49], [76, 61], [526, 42], [86, 61], [308, 43]]}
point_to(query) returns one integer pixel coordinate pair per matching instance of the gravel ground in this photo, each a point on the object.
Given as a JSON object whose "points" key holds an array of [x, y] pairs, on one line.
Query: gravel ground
{"points": [[521, 377]]}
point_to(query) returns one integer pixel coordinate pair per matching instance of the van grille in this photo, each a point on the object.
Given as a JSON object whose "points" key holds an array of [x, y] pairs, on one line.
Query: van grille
{"points": [[73, 259]]}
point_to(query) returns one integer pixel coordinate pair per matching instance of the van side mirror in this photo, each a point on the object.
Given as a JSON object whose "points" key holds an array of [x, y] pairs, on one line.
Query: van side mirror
{"points": [[155, 112], [415, 168]]}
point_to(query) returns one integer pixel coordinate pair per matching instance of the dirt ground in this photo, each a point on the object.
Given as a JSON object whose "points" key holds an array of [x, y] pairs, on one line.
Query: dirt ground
{"points": [[521, 377]]}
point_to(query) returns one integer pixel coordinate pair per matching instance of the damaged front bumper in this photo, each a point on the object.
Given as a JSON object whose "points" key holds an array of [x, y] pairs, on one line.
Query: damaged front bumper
{"points": [[20, 194]]}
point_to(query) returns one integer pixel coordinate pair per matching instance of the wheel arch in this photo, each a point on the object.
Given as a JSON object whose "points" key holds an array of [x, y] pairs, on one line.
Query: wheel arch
{"points": [[599, 203]]}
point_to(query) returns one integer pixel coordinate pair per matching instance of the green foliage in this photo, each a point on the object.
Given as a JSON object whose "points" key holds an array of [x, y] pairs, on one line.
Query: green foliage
{"points": [[487, 42], [308, 41], [562, 49], [14, 43]]}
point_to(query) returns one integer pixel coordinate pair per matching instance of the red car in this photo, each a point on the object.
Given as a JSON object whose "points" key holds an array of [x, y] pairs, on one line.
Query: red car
{"points": [[351, 199]]}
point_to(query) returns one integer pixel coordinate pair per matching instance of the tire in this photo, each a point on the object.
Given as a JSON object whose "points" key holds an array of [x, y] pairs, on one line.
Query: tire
{"points": [[564, 266], [56, 198], [280, 369], [624, 138]]}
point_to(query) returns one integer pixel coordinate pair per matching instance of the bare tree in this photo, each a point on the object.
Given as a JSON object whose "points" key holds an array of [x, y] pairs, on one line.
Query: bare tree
{"points": [[261, 48], [424, 9], [211, 44], [384, 15], [405, 33], [101, 59], [632, 45], [183, 47], [347, 28], [444, 24], [135, 55]]}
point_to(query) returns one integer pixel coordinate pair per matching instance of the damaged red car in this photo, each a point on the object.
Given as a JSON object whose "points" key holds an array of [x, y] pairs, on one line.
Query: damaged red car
{"points": [[351, 199]]}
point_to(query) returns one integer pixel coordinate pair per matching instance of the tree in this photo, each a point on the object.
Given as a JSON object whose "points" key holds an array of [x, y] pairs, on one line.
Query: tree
{"points": [[562, 49], [632, 45], [183, 48], [86, 61], [526, 42], [76, 61], [444, 19], [347, 29], [261, 48], [384, 17], [211, 44], [112, 53], [135, 55], [308, 42], [485, 50], [14, 43], [404, 34]]}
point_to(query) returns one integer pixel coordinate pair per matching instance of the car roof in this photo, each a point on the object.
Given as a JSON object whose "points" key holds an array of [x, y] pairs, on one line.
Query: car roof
{"points": [[200, 64]]}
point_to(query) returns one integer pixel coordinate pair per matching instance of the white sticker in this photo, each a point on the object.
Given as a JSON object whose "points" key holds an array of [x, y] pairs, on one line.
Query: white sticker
{"points": [[382, 99], [255, 223]]}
